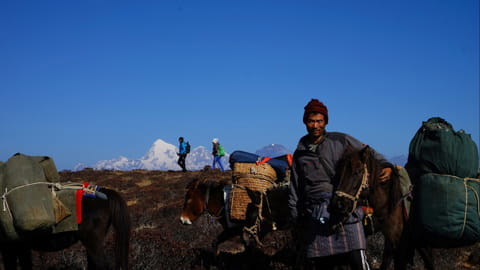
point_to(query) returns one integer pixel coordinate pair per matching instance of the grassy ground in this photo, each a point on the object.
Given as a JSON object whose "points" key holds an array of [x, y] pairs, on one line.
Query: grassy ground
{"points": [[159, 241]]}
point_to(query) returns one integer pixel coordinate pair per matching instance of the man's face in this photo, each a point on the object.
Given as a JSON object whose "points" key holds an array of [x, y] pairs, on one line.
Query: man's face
{"points": [[315, 124]]}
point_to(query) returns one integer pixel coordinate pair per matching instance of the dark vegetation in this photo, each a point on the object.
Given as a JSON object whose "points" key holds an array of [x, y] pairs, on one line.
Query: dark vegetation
{"points": [[159, 241]]}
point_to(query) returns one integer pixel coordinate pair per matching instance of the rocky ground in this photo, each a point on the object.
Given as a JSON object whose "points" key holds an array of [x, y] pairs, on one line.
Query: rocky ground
{"points": [[159, 241]]}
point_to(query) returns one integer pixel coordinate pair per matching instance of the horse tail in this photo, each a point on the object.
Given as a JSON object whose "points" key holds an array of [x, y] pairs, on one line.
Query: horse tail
{"points": [[120, 219]]}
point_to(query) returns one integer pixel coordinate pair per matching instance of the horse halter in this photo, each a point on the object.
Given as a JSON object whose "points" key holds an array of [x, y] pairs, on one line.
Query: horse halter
{"points": [[363, 185], [217, 215]]}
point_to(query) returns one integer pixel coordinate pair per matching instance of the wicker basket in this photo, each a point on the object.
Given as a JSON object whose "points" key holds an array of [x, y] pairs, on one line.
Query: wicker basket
{"points": [[253, 171], [238, 203], [255, 184], [252, 176]]}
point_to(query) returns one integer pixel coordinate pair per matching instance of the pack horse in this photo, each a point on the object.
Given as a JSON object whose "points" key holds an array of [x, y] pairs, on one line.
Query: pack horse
{"points": [[264, 213], [92, 216]]}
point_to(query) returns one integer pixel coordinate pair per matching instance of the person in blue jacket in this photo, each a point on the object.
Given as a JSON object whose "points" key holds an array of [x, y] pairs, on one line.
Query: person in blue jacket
{"points": [[182, 154]]}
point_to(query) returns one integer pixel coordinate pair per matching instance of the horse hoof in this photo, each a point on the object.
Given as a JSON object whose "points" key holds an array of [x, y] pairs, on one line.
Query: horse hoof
{"points": [[231, 247]]}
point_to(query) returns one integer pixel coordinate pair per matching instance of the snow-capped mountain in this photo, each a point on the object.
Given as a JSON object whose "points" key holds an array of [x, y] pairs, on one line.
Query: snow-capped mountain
{"points": [[160, 156], [163, 156], [273, 150]]}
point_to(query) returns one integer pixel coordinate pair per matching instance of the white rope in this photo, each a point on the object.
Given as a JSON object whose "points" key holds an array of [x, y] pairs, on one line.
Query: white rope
{"points": [[466, 209], [476, 197], [362, 186], [466, 186], [58, 186]]}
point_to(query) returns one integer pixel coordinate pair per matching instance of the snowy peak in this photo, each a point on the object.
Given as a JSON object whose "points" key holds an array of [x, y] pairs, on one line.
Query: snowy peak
{"points": [[160, 150], [163, 156], [160, 156], [273, 150]]}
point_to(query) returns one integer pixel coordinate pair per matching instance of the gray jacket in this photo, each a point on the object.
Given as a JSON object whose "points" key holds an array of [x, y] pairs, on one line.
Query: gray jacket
{"points": [[311, 186], [311, 178]]}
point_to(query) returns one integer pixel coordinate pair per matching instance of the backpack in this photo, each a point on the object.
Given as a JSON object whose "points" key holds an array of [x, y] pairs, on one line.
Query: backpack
{"points": [[221, 150], [187, 148]]}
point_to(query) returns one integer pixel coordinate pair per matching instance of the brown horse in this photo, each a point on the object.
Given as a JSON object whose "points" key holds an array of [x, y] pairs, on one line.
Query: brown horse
{"points": [[207, 196], [358, 184], [98, 215]]}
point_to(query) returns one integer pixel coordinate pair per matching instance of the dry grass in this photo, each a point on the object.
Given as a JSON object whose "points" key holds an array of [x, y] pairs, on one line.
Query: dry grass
{"points": [[159, 241]]}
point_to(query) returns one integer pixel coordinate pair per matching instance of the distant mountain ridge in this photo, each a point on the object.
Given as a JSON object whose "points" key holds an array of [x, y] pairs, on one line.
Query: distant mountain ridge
{"points": [[163, 156]]}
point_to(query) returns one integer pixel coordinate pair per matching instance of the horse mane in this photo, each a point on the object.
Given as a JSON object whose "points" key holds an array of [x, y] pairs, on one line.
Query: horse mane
{"points": [[206, 182], [353, 160], [346, 162], [393, 184]]}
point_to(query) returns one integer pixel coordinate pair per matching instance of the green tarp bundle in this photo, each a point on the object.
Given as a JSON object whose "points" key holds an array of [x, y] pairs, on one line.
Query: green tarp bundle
{"points": [[27, 199], [448, 209], [443, 164], [438, 148]]}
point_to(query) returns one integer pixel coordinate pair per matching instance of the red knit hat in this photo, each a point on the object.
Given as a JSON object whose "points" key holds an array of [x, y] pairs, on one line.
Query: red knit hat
{"points": [[315, 106]]}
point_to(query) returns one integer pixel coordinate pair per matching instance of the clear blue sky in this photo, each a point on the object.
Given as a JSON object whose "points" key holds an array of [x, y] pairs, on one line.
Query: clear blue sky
{"points": [[83, 81]]}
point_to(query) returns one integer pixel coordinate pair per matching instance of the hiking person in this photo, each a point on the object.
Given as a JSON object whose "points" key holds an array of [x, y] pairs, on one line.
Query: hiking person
{"points": [[312, 185], [182, 153], [218, 152]]}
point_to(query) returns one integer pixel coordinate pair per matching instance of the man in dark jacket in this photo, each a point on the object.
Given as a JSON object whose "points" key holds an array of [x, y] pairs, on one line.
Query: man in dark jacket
{"points": [[311, 187]]}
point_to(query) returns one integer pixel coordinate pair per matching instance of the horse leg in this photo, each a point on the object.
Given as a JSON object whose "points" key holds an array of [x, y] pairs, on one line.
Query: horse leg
{"points": [[387, 255], [25, 258], [92, 235], [95, 255], [9, 259], [11, 254], [233, 239], [404, 253], [223, 236], [427, 257]]}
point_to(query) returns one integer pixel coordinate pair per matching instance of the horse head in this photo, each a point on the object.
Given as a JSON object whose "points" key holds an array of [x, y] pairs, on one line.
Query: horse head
{"points": [[203, 196], [195, 201], [352, 182]]}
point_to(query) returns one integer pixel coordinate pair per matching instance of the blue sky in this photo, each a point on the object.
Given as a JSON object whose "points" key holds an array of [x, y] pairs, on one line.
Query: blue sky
{"points": [[83, 81]]}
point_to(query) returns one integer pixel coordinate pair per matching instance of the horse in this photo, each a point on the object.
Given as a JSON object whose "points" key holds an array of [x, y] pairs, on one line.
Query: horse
{"points": [[97, 216], [266, 212], [358, 184]]}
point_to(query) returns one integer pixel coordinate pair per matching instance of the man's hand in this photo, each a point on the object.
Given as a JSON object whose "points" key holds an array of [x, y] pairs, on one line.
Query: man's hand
{"points": [[385, 174]]}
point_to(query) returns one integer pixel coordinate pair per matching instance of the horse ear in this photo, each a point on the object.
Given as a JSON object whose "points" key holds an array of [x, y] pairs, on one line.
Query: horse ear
{"points": [[365, 153]]}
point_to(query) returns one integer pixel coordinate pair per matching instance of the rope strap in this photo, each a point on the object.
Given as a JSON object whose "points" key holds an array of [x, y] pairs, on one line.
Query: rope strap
{"points": [[466, 186], [54, 186], [363, 185]]}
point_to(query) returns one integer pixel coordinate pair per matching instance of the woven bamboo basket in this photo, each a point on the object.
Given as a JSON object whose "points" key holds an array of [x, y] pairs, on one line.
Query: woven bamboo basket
{"points": [[238, 203], [255, 184], [253, 171], [252, 176]]}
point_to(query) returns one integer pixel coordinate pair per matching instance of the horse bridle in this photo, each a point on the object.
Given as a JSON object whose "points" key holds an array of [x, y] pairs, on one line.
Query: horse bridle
{"points": [[356, 197], [205, 207]]}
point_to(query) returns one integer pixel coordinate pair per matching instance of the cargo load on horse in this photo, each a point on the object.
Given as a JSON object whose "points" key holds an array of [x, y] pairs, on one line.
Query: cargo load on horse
{"points": [[24, 191], [208, 195], [33, 199], [254, 173], [443, 164], [36, 206]]}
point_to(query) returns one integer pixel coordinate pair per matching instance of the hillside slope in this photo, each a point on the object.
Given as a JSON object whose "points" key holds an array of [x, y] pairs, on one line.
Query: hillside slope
{"points": [[159, 241]]}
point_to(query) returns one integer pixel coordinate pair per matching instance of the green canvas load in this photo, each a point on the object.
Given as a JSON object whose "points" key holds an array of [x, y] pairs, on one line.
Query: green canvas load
{"points": [[27, 202], [7, 230], [443, 164], [438, 148], [447, 209]]}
